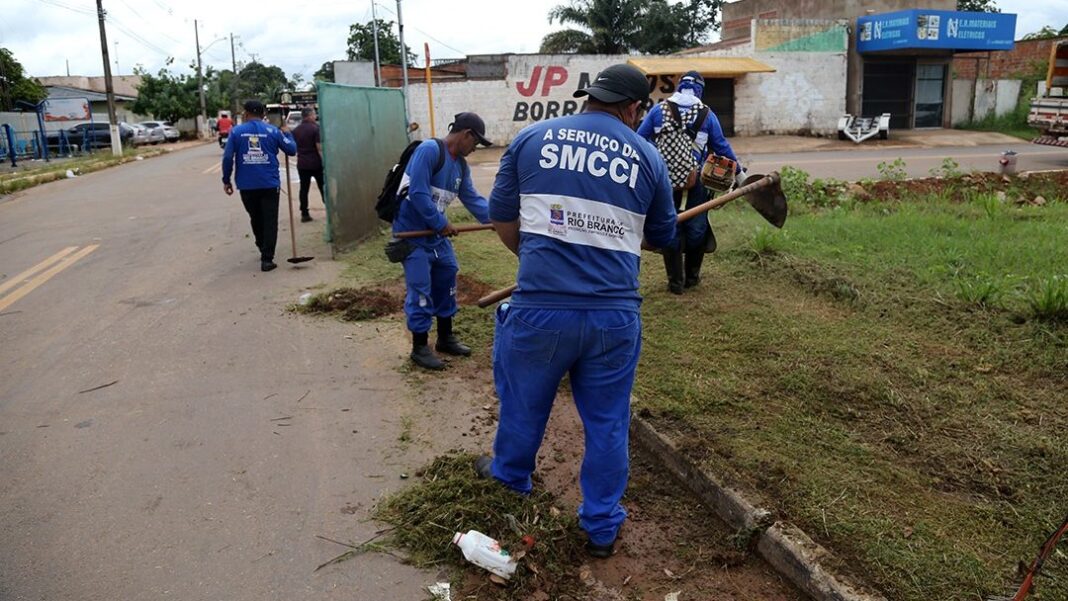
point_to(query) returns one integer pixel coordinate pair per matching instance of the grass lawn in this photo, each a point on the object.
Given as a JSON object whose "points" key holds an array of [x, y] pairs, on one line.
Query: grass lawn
{"points": [[891, 376]]}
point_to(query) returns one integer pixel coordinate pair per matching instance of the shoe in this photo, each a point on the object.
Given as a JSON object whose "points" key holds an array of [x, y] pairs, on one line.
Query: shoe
{"points": [[693, 268], [305, 218], [600, 551], [425, 358], [267, 265], [483, 465], [452, 346]]}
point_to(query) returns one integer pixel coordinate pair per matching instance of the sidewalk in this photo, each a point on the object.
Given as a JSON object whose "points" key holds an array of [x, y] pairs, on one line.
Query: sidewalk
{"points": [[912, 138]]}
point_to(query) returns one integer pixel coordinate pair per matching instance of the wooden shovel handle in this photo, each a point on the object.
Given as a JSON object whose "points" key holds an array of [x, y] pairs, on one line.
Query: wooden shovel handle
{"points": [[460, 228]]}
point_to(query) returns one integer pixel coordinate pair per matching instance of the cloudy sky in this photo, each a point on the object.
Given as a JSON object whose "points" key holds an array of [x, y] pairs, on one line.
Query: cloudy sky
{"points": [[45, 34]]}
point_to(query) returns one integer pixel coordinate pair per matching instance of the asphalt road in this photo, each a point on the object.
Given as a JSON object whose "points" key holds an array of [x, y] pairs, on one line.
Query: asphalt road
{"points": [[224, 433], [863, 162]]}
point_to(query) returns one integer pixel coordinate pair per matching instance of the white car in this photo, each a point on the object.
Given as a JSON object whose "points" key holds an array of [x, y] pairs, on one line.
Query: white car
{"points": [[170, 133], [293, 119]]}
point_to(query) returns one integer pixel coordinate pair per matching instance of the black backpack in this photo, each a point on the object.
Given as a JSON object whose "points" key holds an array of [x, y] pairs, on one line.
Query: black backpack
{"points": [[390, 197]]}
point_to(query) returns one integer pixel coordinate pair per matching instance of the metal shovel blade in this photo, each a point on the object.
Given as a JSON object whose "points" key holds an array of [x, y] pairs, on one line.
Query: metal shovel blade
{"points": [[300, 259], [769, 201]]}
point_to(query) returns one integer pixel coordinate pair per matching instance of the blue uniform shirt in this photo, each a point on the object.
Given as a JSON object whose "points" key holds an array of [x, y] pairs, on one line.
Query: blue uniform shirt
{"points": [[430, 194], [252, 149], [585, 188], [710, 134]]}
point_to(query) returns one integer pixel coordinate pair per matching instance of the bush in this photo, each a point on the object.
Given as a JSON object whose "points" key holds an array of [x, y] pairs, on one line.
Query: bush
{"points": [[1048, 299], [893, 171]]}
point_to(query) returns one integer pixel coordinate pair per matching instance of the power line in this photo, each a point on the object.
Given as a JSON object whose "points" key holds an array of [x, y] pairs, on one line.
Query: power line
{"points": [[423, 32], [148, 22], [76, 9]]}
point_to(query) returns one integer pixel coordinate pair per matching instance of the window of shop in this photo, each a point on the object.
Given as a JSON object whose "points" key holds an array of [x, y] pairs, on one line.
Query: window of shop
{"points": [[888, 89]]}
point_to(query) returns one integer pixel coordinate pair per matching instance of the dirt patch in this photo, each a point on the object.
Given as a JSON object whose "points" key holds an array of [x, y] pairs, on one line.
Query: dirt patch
{"points": [[469, 289], [1017, 188], [353, 304]]}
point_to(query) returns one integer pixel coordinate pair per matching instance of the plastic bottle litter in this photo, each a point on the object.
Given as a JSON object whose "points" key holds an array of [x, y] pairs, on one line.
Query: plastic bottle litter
{"points": [[305, 298], [485, 552]]}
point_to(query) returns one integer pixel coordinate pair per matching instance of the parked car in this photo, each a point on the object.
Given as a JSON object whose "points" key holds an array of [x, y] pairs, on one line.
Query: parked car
{"points": [[155, 134], [93, 135], [170, 133], [293, 119], [140, 135]]}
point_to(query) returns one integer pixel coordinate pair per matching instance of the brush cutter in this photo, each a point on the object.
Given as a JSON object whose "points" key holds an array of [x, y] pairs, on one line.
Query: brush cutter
{"points": [[459, 229], [292, 222], [1044, 552], [764, 193]]}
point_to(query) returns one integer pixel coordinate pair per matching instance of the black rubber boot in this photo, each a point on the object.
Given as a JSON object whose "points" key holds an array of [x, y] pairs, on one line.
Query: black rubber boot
{"points": [[447, 342], [693, 268], [422, 355], [305, 217], [600, 551], [673, 266], [482, 466]]}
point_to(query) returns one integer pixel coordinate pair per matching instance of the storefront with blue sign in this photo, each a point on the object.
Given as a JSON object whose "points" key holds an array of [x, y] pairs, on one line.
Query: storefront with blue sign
{"points": [[907, 54]]}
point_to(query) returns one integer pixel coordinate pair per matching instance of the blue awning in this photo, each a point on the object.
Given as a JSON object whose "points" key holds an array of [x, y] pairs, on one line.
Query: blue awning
{"points": [[936, 30]]}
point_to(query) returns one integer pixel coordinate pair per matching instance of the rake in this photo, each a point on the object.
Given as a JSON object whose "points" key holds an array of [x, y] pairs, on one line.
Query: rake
{"points": [[1028, 583]]}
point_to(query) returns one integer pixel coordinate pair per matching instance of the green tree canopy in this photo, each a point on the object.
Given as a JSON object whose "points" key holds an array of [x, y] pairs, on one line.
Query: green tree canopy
{"points": [[262, 82], [978, 6], [167, 95], [622, 26], [362, 43], [1044, 33], [14, 85], [325, 73]]}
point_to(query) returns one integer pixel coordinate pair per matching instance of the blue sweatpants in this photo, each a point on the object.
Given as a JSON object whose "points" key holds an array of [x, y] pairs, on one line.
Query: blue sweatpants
{"points": [[430, 276], [532, 351], [691, 233]]}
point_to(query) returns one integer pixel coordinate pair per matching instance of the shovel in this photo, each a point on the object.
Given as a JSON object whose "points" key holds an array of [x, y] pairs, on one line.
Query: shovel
{"points": [[459, 229], [292, 222], [763, 192]]}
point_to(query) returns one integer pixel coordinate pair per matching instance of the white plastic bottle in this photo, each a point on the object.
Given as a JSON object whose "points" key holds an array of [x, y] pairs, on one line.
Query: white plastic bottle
{"points": [[485, 552]]}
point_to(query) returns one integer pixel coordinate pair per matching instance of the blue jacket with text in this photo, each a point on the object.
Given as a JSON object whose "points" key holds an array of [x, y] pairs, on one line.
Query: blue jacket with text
{"points": [[252, 149]]}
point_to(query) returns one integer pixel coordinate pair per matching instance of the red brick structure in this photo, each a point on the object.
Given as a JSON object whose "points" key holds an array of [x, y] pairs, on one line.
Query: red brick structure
{"points": [[1013, 64]]}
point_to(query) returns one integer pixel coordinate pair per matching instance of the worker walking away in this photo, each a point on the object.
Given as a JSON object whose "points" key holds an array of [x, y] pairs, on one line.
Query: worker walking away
{"points": [[436, 174], [684, 131], [252, 153], [309, 158], [573, 198]]}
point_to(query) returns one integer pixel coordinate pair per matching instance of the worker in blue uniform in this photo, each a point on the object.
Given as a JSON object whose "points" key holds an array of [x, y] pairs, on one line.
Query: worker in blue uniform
{"points": [[252, 150], [695, 235], [430, 269], [573, 198]]}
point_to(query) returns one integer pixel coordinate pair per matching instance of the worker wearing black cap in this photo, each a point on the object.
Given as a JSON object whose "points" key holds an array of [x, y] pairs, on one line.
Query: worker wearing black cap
{"points": [[436, 175], [574, 197], [252, 149]]}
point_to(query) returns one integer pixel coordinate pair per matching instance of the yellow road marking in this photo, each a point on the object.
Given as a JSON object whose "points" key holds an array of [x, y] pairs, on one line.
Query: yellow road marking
{"points": [[25, 275], [40, 279]]}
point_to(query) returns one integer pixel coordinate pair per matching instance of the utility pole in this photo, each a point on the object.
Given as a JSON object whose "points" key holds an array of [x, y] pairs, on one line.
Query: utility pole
{"points": [[200, 85], [68, 67], [233, 80], [118, 69], [116, 143], [404, 62], [378, 62]]}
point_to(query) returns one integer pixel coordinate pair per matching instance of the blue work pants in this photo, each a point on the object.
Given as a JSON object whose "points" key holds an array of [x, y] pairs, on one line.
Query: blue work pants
{"points": [[691, 233], [430, 277], [532, 351]]}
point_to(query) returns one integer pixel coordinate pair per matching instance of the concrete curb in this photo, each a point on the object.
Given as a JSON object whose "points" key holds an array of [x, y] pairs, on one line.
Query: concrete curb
{"points": [[787, 548]]}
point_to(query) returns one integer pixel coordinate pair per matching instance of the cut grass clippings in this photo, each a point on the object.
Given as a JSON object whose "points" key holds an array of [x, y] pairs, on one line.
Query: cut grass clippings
{"points": [[451, 498], [355, 305]]}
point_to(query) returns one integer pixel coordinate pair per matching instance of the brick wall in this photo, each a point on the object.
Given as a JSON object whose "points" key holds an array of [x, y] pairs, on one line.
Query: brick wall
{"points": [[1003, 65]]}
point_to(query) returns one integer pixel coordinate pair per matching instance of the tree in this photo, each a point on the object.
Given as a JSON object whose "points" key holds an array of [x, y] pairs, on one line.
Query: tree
{"points": [[265, 83], [325, 73], [620, 26], [14, 85], [166, 95], [978, 6], [608, 26], [362, 43], [1042, 34]]}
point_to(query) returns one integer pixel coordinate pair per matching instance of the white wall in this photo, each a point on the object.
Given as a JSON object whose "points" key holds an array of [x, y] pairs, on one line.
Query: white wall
{"points": [[991, 97], [354, 73], [806, 95]]}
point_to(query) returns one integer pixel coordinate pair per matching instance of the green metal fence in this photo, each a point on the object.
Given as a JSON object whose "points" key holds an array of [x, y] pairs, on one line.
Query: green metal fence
{"points": [[363, 134]]}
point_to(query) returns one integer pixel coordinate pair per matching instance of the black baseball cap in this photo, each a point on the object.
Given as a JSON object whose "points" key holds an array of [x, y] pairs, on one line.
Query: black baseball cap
{"points": [[472, 122], [255, 107], [616, 84]]}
